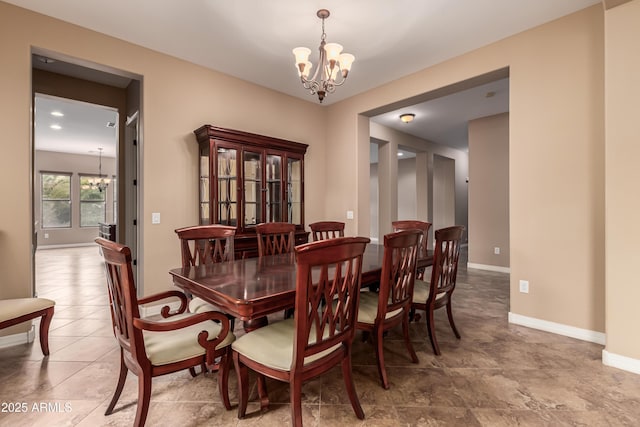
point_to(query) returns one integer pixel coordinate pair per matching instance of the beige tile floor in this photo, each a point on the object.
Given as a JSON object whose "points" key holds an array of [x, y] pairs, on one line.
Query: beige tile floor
{"points": [[496, 375]]}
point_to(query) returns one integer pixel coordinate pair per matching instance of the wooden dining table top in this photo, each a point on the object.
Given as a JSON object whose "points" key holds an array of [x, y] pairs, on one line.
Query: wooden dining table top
{"points": [[254, 287]]}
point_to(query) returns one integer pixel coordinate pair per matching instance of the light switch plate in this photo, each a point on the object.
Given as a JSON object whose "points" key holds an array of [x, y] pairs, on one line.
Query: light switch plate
{"points": [[155, 218], [349, 214]]}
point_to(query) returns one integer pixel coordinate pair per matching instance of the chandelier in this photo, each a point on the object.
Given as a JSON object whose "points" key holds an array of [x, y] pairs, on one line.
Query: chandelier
{"points": [[333, 66], [100, 182]]}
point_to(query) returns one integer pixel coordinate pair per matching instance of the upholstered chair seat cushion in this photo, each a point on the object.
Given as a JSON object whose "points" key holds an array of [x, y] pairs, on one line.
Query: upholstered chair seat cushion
{"points": [[181, 344], [272, 345], [198, 305], [368, 308], [17, 307], [421, 290]]}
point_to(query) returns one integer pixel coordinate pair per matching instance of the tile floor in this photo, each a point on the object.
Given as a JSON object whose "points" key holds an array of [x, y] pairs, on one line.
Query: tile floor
{"points": [[497, 375]]}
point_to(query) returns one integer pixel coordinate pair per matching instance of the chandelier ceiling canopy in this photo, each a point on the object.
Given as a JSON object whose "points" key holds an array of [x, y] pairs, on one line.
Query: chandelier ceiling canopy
{"points": [[332, 68]]}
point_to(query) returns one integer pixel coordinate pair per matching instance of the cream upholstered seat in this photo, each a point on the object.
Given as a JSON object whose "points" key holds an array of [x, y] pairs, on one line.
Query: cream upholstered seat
{"points": [[172, 346], [390, 307], [320, 335], [18, 310], [436, 293], [368, 309], [149, 348], [273, 346]]}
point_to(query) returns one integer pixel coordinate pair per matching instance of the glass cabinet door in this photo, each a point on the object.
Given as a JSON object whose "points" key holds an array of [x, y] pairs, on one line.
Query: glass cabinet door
{"points": [[253, 188], [273, 195], [294, 190], [227, 174], [205, 216]]}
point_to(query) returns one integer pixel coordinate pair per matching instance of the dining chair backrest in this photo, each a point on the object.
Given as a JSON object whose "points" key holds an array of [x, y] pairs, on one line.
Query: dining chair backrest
{"points": [[414, 224], [398, 272], [323, 230], [445, 262], [123, 299], [206, 244], [328, 270], [275, 238]]}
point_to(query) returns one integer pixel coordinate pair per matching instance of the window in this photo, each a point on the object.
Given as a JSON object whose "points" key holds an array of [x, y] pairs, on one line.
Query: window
{"points": [[92, 202], [56, 200]]}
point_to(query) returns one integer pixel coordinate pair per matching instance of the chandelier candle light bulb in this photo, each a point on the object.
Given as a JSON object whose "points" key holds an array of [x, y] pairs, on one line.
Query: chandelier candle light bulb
{"points": [[333, 65]]}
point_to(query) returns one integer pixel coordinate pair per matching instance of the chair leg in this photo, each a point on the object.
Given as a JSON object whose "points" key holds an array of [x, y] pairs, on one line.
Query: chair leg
{"points": [[44, 330], [432, 331], [347, 374], [121, 380], [407, 340], [377, 337], [295, 397], [223, 378], [263, 395], [243, 384], [144, 396], [450, 316]]}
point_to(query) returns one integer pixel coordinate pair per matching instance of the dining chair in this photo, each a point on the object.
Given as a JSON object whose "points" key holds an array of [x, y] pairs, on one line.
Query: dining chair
{"points": [[319, 336], [423, 249], [149, 348], [327, 230], [202, 245], [390, 306], [429, 296], [275, 238]]}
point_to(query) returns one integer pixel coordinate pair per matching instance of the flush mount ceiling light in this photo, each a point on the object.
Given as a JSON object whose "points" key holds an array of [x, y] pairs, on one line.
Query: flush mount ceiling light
{"points": [[333, 66], [407, 118]]}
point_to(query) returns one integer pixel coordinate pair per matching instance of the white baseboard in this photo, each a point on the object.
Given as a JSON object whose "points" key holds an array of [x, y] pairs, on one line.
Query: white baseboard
{"points": [[70, 245], [20, 338], [489, 267], [621, 362], [558, 328]]}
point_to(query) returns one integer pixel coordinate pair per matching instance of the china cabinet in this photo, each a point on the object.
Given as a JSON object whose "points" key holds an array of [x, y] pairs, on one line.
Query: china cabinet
{"points": [[247, 179]]}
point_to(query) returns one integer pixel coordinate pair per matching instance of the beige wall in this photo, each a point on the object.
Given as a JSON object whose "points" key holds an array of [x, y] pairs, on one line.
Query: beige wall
{"points": [[622, 84], [489, 190], [77, 165], [423, 175], [555, 159], [172, 109]]}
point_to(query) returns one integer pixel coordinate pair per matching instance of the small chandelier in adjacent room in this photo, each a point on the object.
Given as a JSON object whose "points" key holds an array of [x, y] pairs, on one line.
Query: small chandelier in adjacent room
{"points": [[333, 66], [101, 182]]}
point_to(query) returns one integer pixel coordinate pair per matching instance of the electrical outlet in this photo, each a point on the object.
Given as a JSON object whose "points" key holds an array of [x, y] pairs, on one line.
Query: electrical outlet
{"points": [[46, 235], [496, 250], [524, 286], [349, 214], [155, 218]]}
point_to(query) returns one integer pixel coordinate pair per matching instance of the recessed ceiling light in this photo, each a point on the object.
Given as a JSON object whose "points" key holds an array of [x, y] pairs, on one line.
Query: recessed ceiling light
{"points": [[56, 127], [400, 154], [57, 113]]}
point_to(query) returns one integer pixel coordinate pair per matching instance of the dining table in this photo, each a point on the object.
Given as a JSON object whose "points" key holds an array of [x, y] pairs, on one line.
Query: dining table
{"points": [[249, 289]]}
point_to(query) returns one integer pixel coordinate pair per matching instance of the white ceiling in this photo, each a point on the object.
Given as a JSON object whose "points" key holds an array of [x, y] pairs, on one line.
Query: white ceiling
{"points": [[252, 39], [82, 129]]}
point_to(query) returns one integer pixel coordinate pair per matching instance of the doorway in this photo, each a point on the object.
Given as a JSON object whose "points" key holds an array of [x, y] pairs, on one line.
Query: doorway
{"points": [[55, 76]]}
